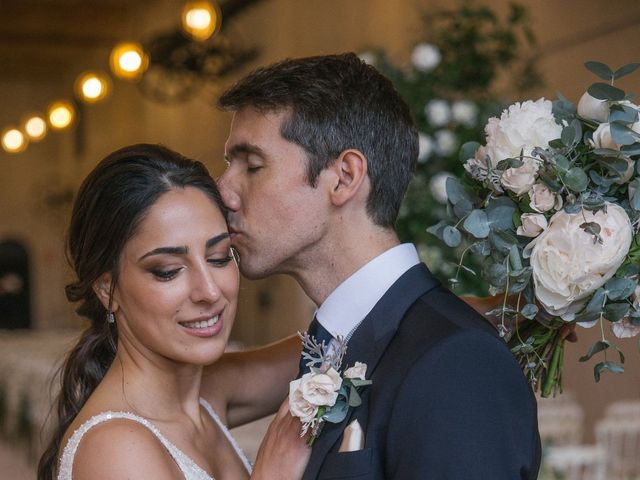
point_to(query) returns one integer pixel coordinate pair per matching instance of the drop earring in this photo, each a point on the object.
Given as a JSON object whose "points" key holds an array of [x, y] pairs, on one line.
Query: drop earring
{"points": [[111, 318]]}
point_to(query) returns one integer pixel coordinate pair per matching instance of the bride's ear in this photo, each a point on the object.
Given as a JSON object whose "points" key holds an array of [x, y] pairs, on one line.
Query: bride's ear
{"points": [[103, 288], [350, 176]]}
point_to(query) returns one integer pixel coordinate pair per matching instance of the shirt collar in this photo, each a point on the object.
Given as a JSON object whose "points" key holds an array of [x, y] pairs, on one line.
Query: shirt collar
{"points": [[354, 298]]}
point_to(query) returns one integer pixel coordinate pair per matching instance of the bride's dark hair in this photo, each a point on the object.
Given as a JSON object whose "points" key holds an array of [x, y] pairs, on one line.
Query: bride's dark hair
{"points": [[110, 205]]}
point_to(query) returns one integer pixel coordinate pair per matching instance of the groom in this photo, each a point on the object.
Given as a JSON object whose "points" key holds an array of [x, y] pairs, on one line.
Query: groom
{"points": [[320, 153]]}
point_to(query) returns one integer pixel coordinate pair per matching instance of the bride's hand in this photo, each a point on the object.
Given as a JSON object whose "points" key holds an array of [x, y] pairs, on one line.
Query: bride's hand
{"points": [[283, 453]]}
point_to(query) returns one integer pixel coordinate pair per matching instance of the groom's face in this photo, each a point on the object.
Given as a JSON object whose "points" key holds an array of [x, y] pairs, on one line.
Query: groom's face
{"points": [[276, 218]]}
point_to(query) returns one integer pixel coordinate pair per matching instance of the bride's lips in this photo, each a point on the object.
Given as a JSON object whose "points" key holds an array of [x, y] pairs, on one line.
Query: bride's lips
{"points": [[205, 326]]}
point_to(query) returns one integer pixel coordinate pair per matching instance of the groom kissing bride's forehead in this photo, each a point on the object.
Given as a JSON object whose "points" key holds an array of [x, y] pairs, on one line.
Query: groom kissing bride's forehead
{"points": [[320, 153]]}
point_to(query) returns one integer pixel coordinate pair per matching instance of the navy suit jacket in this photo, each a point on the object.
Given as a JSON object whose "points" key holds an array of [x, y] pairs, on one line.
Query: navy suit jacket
{"points": [[448, 399]]}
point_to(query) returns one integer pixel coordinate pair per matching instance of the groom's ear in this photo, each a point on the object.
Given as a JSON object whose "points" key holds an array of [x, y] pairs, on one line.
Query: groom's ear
{"points": [[349, 177]]}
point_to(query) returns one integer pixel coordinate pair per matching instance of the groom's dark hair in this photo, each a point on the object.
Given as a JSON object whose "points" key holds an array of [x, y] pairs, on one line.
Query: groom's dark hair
{"points": [[338, 102]]}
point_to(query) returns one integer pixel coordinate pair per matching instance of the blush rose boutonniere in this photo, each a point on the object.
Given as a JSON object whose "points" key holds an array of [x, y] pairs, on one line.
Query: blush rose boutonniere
{"points": [[326, 393], [550, 206]]}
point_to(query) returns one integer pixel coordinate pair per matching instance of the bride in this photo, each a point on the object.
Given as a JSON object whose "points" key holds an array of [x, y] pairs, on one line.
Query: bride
{"points": [[156, 278]]}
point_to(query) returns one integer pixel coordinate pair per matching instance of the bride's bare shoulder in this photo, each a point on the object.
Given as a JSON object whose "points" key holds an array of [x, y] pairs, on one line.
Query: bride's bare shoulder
{"points": [[121, 448]]}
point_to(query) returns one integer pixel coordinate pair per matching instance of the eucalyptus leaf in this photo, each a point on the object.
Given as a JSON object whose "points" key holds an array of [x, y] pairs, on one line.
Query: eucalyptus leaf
{"points": [[623, 113], [436, 230], [576, 179], [604, 91], [497, 275], [625, 70], [529, 311], [615, 311], [354, 397], [568, 135], [600, 69], [509, 163], [337, 413], [462, 208], [468, 150], [619, 288], [598, 179], [621, 134], [602, 366], [455, 191], [482, 248], [514, 258], [599, 346], [587, 317], [500, 213], [477, 224], [634, 200], [562, 163], [631, 151], [596, 304], [502, 240], [451, 236]]}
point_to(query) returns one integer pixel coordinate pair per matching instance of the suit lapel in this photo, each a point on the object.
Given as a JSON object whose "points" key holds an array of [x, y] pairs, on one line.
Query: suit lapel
{"points": [[369, 343]]}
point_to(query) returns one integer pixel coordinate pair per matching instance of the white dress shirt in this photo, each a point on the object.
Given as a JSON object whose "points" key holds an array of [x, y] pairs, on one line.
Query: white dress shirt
{"points": [[351, 302]]}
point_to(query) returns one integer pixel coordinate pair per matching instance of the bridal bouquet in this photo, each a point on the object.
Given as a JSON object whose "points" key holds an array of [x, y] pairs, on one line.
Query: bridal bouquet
{"points": [[551, 206]]}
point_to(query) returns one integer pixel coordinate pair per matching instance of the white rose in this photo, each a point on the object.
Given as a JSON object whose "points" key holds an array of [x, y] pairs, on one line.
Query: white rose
{"points": [[426, 146], [593, 108], [521, 128], [321, 388], [438, 186], [520, 180], [438, 112], [532, 224], [602, 138], [543, 199], [568, 265], [359, 370], [624, 328], [446, 142], [298, 405], [425, 57], [465, 112]]}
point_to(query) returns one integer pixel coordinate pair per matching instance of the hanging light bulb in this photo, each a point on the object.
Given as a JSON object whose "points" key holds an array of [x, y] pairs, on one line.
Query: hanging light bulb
{"points": [[92, 87], [35, 126], [201, 20], [13, 140], [61, 114], [128, 60]]}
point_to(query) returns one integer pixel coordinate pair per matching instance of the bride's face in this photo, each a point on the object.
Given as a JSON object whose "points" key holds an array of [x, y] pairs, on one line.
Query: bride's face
{"points": [[177, 289]]}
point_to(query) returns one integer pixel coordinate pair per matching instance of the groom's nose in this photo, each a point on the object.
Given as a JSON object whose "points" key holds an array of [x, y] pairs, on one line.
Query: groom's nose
{"points": [[229, 194]]}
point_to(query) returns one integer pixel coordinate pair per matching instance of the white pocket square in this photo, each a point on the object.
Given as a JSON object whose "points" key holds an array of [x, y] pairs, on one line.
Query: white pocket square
{"points": [[352, 438]]}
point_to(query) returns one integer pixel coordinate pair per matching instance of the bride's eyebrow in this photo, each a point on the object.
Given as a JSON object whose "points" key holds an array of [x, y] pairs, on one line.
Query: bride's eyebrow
{"points": [[184, 249]]}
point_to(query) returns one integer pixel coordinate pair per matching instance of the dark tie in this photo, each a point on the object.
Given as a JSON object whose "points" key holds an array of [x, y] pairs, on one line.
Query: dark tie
{"points": [[320, 334]]}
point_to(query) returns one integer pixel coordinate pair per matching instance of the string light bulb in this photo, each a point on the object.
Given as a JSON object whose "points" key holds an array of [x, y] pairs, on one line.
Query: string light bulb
{"points": [[61, 114], [201, 19], [35, 126], [128, 60], [13, 140], [91, 87]]}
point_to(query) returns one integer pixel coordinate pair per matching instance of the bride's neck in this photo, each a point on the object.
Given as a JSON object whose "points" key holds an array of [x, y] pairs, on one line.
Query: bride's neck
{"points": [[156, 387]]}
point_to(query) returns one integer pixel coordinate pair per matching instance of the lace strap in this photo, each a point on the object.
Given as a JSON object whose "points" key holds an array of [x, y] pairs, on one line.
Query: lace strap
{"points": [[227, 433], [65, 472]]}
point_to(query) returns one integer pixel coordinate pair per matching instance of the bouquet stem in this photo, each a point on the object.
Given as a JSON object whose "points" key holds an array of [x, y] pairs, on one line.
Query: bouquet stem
{"points": [[539, 350]]}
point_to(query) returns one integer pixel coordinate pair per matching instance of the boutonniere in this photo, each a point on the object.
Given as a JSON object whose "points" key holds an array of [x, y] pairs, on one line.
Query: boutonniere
{"points": [[325, 393]]}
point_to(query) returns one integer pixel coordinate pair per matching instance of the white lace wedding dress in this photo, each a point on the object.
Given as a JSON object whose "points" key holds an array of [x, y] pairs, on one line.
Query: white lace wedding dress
{"points": [[188, 467]]}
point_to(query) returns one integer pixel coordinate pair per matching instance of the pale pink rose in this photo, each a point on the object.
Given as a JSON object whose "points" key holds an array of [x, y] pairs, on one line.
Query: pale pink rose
{"points": [[593, 108], [298, 405], [543, 199], [602, 137], [321, 388], [532, 224], [568, 265], [520, 180], [359, 370]]}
